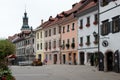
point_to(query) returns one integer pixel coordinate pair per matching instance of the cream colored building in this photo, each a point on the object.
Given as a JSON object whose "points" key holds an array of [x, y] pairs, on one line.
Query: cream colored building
{"points": [[39, 41]]}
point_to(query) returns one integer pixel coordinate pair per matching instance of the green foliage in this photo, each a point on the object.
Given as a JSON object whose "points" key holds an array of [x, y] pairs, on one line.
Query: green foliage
{"points": [[6, 48]]}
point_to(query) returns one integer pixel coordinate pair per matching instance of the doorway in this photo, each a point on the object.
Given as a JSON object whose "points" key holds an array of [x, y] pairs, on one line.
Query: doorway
{"points": [[64, 59], [74, 58], [109, 61], [82, 58], [55, 58]]}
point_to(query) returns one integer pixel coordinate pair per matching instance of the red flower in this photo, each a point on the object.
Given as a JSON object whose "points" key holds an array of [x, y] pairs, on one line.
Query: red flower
{"points": [[87, 25], [95, 22]]}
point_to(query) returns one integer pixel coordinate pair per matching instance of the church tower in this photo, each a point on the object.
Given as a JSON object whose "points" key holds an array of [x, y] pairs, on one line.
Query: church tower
{"points": [[25, 26]]}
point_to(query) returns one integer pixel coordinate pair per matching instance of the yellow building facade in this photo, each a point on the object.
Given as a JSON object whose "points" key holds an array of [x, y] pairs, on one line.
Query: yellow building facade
{"points": [[39, 43]]}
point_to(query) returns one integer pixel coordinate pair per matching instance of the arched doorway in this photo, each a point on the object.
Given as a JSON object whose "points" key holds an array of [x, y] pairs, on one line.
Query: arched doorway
{"points": [[109, 61], [82, 58], [64, 59], [55, 58]]}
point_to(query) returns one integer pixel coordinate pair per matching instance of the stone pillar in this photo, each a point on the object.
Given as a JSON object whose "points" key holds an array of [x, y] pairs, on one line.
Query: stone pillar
{"points": [[105, 63], [85, 57]]}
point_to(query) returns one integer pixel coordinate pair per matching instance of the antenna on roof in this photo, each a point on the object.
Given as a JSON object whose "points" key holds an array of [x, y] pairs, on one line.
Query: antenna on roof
{"points": [[25, 5]]}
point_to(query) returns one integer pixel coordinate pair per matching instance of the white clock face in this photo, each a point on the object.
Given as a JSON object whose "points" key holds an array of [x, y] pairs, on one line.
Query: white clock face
{"points": [[105, 43]]}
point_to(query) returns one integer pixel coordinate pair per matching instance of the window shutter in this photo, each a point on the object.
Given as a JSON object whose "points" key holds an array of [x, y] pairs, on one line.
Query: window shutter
{"points": [[101, 30], [108, 28], [111, 26], [119, 24]]}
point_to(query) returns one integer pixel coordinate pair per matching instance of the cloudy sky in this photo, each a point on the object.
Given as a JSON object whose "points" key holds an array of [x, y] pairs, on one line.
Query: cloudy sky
{"points": [[12, 11]]}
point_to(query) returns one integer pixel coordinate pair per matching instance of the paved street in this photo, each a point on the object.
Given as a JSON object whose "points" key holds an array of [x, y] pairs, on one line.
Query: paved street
{"points": [[61, 72]]}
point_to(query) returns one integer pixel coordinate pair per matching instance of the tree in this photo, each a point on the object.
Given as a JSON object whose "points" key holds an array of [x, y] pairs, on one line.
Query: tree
{"points": [[6, 48]]}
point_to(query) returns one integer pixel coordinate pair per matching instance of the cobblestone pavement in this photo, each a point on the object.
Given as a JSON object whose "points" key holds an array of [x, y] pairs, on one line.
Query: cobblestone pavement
{"points": [[61, 72]]}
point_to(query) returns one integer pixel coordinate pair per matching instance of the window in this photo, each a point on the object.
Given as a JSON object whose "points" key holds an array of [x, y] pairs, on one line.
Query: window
{"points": [[68, 45], [59, 29], [37, 35], [73, 26], [54, 44], [88, 22], [45, 33], [59, 42], [105, 28], [54, 31], [41, 34], [41, 46], [81, 24], [46, 45], [88, 40], [63, 44], [37, 46], [49, 44], [115, 24], [49, 32], [81, 41], [73, 43], [95, 19], [63, 29], [68, 28]]}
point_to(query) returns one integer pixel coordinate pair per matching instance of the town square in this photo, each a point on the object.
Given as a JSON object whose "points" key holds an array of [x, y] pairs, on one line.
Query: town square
{"points": [[81, 43]]}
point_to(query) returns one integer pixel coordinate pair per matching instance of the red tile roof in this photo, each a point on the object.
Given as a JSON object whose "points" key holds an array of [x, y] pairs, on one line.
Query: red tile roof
{"points": [[68, 15]]}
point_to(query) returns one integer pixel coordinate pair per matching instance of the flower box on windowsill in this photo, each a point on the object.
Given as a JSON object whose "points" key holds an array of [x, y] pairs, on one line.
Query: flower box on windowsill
{"points": [[81, 45], [87, 43], [80, 27], [87, 25], [95, 42], [95, 22]]}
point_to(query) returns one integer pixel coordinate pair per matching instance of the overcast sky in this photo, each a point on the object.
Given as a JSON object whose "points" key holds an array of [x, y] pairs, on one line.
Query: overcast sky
{"points": [[12, 11]]}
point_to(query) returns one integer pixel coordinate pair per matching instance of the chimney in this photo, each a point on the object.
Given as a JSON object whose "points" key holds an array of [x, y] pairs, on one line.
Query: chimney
{"points": [[74, 5], [41, 21]]}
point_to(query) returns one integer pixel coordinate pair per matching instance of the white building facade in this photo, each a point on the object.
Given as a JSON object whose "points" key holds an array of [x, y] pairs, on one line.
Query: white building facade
{"points": [[88, 34], [109, 30]]}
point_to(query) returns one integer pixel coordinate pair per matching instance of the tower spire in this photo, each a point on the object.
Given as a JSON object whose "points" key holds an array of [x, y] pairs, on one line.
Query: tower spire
{"points": [[25, 26]]}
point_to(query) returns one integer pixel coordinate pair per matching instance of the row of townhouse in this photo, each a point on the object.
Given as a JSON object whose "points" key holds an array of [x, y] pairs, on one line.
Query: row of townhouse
{"points": [[87, 34], [71, 37]]}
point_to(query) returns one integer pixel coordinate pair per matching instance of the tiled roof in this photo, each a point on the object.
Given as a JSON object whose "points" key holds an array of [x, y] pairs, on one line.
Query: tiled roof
{"points": [[68, 15], [91, 4]]}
